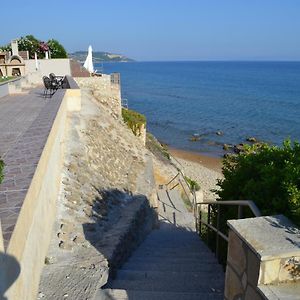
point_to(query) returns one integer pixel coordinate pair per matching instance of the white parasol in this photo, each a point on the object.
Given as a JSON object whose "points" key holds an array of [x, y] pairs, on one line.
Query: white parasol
{"points": [[89, 61]]}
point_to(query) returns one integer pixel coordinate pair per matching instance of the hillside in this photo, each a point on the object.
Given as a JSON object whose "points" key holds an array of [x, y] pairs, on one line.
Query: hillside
{"points": [[99, 56]]}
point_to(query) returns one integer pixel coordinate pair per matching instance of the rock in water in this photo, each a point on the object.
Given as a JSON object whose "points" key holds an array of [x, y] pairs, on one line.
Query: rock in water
{"points": [[219, 133], [251, 139]]}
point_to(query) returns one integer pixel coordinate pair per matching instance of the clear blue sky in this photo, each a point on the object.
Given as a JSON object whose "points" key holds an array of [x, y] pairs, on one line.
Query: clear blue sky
{"points": [[163, 29]]}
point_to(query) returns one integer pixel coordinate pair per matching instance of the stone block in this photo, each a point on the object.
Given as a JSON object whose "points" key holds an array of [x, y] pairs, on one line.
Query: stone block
{"points": [[252, 294], [253, 266], [233, 285], [236, 253], [269, 271]]}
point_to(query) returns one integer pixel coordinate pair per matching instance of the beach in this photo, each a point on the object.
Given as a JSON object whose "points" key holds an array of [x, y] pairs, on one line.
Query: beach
{"points": [[204, 169]]}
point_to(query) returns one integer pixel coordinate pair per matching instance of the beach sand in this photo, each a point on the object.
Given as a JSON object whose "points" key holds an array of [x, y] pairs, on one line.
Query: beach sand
{"points": [[204, 169], [209, 162]]}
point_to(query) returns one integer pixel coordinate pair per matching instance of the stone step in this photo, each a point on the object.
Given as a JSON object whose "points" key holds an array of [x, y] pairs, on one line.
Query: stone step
{"points": [[119, 294], [168, 285], [172, 253], [177, 276], [172, 267], [187, 247], [172, 259]]}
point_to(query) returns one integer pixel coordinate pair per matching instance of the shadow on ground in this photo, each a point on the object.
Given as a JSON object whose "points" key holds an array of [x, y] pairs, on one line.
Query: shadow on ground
{"points": [[9, 272]]}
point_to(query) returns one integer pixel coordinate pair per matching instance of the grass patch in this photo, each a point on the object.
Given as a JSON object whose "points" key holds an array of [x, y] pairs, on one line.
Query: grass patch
{"points": [[194, 185], [3, 79]]}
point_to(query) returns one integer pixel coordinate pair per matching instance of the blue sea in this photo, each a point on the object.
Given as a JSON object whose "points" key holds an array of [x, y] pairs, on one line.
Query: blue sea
{"points": [[241, 99]]}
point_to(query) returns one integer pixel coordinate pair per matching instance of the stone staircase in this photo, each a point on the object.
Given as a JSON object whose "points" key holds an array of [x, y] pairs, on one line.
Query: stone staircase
{"points": [[172, 262]]}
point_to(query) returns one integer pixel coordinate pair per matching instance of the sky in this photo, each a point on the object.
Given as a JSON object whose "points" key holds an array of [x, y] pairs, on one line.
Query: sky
{"points": [[163, 30]]}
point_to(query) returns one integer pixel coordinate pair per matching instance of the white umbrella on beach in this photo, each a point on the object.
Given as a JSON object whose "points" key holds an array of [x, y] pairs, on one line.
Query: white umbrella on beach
{"points": [[89, 61]]}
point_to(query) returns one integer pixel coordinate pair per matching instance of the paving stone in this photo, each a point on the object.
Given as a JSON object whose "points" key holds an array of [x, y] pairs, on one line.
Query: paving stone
{"points": [[26, 121]]}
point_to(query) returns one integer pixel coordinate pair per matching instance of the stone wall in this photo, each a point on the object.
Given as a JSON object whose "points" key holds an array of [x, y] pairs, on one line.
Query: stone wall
{"points": [[262, 252], [106, 92]]}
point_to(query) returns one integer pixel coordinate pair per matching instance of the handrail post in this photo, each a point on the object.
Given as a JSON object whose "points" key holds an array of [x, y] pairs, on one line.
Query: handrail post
{"points": [[217, 234], [208, 222], [240, 212], [200, 221]]}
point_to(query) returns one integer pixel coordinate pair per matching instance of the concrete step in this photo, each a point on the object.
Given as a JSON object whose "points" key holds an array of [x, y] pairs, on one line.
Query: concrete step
{"points": [[168, 285], [177, 276], [119, 294], [172, 267]]}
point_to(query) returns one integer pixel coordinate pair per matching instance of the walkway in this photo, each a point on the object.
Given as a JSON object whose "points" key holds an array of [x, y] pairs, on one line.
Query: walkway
{"points": [[172, 263], [25, 122]]}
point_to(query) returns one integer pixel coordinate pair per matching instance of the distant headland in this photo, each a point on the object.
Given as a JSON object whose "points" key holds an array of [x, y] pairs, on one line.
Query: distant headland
{"points": [[99, 56]]}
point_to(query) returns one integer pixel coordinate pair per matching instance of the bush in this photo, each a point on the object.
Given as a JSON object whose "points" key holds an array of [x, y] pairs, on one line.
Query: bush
{"points": [[56, 49], [194, 185], [268, 175], [134, 120], [1, 170]]}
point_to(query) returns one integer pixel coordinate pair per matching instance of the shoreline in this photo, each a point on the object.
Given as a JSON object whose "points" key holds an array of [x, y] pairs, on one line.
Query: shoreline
{"points": [[212, 163]]}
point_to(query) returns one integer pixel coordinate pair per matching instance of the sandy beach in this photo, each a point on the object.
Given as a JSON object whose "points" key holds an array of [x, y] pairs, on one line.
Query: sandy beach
{"points": [[204, 169]]}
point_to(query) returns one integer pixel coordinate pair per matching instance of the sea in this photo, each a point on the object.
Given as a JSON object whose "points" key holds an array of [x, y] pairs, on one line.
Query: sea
{"points": [[222, 102]]}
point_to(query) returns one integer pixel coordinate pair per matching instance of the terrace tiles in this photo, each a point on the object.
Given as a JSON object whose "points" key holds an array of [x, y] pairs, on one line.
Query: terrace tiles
{"points": [[25, 122]]}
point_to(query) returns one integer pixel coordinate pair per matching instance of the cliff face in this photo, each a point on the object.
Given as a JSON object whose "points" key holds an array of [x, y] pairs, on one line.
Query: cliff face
{"points": [[106, 196]]}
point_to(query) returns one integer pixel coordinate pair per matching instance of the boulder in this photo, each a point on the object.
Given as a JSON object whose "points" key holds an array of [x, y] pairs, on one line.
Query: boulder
{"points": [[219, 132]]}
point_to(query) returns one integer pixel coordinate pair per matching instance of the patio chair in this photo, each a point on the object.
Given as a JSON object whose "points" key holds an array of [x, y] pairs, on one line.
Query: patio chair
{"points": [[56, 81], [48, 87]]}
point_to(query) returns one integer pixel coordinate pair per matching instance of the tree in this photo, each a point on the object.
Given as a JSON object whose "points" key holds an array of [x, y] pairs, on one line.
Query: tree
{"points": [[56, 49]]}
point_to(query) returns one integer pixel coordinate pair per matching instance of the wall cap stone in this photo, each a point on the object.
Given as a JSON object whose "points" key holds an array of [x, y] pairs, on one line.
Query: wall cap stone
{"points": [[270, 237]]}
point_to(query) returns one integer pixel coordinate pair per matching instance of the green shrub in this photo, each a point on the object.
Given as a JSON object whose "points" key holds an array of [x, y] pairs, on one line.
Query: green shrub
{"points": [[268, 175], [56, 49], [194, 185], [1, 170], [134, 120]]}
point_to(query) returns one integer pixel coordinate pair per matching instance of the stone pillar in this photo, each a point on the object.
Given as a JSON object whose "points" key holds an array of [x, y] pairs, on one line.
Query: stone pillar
{"points": [[14, 47]]}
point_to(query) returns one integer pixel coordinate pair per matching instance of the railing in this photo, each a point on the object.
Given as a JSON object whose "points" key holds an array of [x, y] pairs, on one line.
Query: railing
{"points": [[115, 78], [199, 220], [185, 187]]}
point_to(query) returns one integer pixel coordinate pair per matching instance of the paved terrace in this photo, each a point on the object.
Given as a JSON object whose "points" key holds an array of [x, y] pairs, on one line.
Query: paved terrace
{"points": [[25, 123]]}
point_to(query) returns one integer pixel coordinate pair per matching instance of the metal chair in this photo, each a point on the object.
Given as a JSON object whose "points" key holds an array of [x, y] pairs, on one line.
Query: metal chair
{"points": [[56, 81], [48, 87]]}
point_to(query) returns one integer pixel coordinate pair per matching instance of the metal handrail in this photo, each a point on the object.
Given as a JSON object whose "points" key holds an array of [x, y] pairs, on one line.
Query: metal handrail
{"points": [[239, 203], [180, 174]]}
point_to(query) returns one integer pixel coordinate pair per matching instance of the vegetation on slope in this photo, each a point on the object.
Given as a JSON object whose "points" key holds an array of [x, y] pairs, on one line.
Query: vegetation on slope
{"points": [[158, 149], [134, 120]]}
